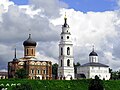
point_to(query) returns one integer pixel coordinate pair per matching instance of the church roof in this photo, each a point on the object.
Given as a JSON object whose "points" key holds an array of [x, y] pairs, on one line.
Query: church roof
{"points": [[94, 64], [93, 54], [29, 42]]}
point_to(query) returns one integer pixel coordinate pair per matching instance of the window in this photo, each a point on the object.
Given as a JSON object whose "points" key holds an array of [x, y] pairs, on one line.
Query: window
{"points": [[38, 71], [61, 63], [27, 51], [67, 37], [44, 72], [32, 71], [61, 51], [92, 59], [61, 37], [68, 51], [68, 62], [32, 51]]}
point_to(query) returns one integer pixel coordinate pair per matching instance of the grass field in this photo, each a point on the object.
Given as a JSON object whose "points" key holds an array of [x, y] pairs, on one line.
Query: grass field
{"points": [[57, 84]]}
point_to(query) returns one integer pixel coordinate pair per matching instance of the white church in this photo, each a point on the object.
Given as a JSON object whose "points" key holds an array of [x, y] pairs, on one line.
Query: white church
{"points": [[66, 68], [93, 68]]}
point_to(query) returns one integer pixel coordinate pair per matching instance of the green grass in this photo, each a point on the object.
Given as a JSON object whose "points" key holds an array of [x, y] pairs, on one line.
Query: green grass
{"points": [[61, 84]]}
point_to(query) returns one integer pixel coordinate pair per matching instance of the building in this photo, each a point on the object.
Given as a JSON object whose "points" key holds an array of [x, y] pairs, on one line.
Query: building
{"points": [[93, 68], [65, 68], [36, 69], [3, 75]]}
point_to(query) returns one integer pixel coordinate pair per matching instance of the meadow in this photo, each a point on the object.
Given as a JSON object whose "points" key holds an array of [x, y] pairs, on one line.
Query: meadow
{"points": [[13, 84]]}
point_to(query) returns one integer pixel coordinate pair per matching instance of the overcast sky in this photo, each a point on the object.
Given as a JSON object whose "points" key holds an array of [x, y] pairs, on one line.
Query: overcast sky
{"points": [[91, 23]]}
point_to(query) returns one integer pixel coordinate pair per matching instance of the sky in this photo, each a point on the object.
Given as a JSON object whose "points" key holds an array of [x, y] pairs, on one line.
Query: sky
{"points": [[83, 5], [92, 22]]}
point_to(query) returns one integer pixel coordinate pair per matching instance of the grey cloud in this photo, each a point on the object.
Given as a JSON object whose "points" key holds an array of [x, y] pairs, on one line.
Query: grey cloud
{"points": [[50, 8]]}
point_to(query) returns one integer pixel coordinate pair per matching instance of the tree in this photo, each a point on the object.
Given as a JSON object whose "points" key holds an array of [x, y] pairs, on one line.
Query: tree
{"points": [[55, 70], [75, 67], [96, 84], [21, 73]]}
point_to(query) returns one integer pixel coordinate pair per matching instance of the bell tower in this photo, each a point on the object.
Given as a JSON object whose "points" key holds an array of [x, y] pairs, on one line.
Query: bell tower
{"points": [[66, 68], [29, 47]]}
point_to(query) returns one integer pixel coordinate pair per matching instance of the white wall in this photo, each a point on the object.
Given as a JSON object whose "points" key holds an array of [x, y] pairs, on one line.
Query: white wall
{"points": [[91, 72]]}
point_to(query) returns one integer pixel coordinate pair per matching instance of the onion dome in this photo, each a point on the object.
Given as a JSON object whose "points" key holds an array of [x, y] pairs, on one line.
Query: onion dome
{"points": [[93, 53], [29, 42]]}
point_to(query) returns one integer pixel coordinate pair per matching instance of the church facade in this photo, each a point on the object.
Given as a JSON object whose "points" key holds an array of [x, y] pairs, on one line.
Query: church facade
{"points": [[93, 68], [35, 69], [65, 68]]}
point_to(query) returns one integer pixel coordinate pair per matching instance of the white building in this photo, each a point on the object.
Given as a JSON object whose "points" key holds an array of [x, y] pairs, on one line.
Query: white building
{"points": [[93, 68], [66, 68]]}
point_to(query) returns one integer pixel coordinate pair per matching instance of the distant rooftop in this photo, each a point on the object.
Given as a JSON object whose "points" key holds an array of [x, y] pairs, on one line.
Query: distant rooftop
{"points": [[94, 64]]}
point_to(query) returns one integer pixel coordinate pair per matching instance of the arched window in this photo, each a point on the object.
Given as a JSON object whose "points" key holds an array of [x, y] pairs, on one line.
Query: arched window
{"points": [[61, 63], [44, 71], [68, 62], [32, 51], [32, 71], [61, 51], [67, 37], [27, 52], [68, 51], [38, 71], [61, 37]]}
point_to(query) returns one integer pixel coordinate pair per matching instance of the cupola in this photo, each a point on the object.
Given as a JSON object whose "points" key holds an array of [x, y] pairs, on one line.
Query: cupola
{"points": [[29, 42]]}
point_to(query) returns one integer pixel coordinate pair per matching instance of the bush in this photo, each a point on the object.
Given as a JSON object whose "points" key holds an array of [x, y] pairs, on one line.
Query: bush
{"points": [[25, 86], [96, 84]]}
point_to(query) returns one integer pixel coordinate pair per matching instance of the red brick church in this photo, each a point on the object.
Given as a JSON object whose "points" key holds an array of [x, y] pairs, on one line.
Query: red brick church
{"points": [[35, 68]]}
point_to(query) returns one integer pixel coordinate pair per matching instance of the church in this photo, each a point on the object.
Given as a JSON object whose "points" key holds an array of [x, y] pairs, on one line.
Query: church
{"points": [[35, 69], [38, 69], [93, 68]]}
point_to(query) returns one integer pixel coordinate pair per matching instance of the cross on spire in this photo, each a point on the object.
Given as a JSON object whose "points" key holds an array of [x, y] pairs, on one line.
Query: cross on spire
{"points": [[93, 48]]}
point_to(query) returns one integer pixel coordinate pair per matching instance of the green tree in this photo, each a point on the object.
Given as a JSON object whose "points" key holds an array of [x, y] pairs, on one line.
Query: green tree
{"points": [[96, 84], [75, 67], [55, 70], [21, 73]]}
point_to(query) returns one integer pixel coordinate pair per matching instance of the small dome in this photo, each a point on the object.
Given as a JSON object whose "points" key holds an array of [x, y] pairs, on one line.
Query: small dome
{"points": [[29, 42], [93, 54]]}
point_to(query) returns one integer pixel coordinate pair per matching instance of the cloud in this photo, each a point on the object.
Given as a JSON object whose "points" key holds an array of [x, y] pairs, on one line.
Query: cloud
{"points": [[50, 8], [94, 28], [45, 18]]}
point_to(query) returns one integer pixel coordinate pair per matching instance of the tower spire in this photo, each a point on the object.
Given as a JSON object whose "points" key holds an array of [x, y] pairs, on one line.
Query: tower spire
{"points": [[15, 53], [15, 56], [65, 20], [93, 48]]}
